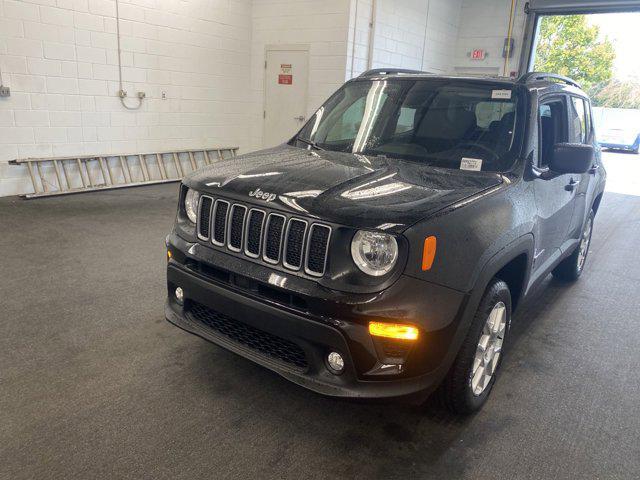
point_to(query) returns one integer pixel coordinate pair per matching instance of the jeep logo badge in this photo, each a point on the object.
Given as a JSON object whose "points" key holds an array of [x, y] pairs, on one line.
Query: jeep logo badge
{"points": [[266, 196]]}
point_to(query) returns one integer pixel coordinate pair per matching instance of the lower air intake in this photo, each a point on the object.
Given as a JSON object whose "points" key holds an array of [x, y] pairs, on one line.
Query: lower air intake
{"points": [[258, 340]]}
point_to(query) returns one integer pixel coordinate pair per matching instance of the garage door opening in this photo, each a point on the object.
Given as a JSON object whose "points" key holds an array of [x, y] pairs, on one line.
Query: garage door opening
{"points": [[598, 50]]}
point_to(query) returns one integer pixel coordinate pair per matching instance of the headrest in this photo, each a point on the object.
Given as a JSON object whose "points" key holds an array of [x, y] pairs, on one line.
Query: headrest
{"points": [[447, 123]]}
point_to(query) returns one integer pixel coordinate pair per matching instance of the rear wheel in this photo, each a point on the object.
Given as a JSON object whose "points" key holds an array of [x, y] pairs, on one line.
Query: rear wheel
{"points": [[473, 373], [571, 267]]}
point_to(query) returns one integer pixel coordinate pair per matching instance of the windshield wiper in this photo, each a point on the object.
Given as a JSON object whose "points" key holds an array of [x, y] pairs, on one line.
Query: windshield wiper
{"points": [[311, 143]]}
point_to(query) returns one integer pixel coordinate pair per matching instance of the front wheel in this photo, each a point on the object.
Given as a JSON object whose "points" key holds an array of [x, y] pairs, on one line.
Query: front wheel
{"points": [[571, 267], [473, 373]]}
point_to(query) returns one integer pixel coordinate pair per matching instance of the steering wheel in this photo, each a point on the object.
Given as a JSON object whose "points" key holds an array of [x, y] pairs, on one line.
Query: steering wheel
{"points": [[479, 146]]}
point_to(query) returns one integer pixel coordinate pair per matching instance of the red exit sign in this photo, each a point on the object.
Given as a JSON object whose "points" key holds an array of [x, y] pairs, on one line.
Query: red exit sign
{"points": [[478, 54]]}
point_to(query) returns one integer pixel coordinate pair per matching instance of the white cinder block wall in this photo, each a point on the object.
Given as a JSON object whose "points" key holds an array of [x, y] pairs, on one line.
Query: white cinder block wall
{"points": [[59, 57], [320, 24], [413, 34], [484, 25]]}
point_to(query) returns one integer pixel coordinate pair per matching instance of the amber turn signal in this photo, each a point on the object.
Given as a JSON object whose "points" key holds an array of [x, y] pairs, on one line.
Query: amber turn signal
{"points": [[393, 330], [169, 254], [428, 253]]}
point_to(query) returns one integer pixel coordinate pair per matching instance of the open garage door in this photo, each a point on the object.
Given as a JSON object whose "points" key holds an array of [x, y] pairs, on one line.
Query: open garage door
{"points": [[537, 8]]}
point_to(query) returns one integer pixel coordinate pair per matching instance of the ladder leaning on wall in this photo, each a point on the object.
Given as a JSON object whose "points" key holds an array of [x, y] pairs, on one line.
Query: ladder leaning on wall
{"points": [[64, 175]]}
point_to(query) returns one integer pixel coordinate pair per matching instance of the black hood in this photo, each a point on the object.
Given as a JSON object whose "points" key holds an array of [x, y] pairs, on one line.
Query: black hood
{"points": [[344, 188]]}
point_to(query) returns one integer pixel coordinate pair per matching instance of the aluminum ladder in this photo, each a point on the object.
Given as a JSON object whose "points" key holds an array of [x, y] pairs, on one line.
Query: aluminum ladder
{"points": [[65, 175]]}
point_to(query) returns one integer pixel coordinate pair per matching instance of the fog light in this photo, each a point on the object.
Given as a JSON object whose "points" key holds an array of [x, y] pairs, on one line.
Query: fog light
{"points": [[179, 295], [335, 363]]}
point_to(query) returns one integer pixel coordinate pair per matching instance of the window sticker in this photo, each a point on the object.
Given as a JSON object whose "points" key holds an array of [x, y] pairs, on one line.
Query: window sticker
{"points": [[472, 164], [501, 94]]}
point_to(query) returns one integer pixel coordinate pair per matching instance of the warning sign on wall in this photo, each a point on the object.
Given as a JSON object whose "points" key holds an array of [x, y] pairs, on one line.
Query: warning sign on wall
{"points": [[285, 77]]}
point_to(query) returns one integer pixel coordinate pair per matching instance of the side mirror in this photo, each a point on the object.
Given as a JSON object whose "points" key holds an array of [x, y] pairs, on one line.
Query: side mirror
{"points": [[572, 158]]}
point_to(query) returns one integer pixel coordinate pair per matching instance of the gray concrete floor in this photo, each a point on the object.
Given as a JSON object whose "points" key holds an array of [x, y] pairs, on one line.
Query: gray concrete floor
{"points": [[95, 384]]}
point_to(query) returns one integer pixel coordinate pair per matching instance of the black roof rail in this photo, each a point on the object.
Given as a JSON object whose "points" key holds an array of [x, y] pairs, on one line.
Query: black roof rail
{"points": [[388, 71], [538, 76]]}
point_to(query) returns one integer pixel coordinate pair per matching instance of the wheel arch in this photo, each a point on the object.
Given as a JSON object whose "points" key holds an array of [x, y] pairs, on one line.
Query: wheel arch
{"points": [[596, 203], [512, 265]]}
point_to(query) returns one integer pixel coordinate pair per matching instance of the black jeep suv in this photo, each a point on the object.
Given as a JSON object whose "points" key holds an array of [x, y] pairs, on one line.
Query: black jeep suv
{"points": [[382, 251]]}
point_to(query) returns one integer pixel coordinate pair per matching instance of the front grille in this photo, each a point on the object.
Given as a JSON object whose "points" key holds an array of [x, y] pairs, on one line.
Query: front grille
{"points": [[317, 253], [204, 217], [236, 227], [258, 340], [254, 233], [272, 237], [220, 222], [294, 243]]}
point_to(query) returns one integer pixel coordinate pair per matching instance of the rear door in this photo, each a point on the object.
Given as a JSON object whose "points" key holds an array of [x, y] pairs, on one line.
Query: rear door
{"points": [[554, 200]]}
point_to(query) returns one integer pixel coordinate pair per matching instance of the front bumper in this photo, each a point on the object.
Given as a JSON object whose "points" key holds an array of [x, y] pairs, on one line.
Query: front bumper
{"points": [[241, 318]]}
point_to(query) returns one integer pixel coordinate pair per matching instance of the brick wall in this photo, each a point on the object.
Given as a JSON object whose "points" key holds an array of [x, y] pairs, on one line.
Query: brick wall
{"points": [[60, 59]]}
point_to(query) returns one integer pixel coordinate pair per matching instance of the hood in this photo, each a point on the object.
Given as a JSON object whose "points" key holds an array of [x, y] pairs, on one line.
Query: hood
{"points": [[344, 188]]}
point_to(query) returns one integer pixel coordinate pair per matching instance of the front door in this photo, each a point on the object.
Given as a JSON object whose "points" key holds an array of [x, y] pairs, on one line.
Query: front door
{"points": [[286, 80], [554, 199]]}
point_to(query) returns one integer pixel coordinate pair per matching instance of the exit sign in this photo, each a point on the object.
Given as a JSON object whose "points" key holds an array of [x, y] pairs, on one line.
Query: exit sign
{"points": [[478, 54]]}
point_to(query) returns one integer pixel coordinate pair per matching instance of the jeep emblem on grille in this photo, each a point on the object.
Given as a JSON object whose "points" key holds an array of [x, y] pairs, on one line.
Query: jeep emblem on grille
{"points": [[266, 196]]}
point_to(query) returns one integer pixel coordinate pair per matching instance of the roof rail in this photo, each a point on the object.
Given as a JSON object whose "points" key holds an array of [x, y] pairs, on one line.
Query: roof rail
{"points": [[538, 76], [388, 71]]}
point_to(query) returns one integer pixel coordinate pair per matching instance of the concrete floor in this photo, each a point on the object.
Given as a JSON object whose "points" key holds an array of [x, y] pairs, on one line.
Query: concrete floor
{"points": [[95, 384]]}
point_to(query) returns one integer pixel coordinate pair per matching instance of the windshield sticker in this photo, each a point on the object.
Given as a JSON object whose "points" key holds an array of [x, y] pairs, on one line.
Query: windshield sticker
{"points": [[473, 164], [501, 94]]}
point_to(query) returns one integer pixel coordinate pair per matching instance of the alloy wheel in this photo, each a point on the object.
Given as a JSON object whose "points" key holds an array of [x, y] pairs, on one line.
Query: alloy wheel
{"points": [[584, 244], [489, 349]]}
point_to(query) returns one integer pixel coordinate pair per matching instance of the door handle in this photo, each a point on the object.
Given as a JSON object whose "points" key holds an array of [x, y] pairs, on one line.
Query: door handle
{"points": [[593, 170], [573, 184], [300, 118]]}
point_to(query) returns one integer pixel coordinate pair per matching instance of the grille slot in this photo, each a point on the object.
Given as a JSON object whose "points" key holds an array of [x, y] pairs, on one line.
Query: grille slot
{"points": [[253, 240], [220, 222], [258, 340], [236, 227], [317, 249], [273, 237], [204, 217], [294, 243]]}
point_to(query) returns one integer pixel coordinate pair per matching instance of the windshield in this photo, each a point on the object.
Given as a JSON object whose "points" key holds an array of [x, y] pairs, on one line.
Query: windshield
{"points": [[443, 123]]}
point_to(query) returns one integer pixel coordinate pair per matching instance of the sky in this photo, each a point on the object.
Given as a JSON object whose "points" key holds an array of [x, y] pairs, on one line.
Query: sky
{"points": [[623, 30]]}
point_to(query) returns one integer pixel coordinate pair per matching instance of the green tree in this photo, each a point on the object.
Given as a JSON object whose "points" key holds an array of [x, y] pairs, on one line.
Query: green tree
{"points": [[568, 45], [616, 94]]}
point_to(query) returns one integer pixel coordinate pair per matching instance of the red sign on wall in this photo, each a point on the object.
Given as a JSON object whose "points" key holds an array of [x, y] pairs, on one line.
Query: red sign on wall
{"points": [[285, 77], [478, 54]]}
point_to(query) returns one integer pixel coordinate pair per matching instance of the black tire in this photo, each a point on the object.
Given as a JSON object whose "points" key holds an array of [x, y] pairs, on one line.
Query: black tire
{"points": [[456, 390], [570, 269]]}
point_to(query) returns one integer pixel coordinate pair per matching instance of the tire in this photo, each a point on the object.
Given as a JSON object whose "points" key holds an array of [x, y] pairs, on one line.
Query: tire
{"points": [[570, 269], [461, 392]]}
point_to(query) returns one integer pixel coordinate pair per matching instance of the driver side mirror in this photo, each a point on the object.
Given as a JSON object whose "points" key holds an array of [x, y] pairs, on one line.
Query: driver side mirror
{"points": [[571, 158]]}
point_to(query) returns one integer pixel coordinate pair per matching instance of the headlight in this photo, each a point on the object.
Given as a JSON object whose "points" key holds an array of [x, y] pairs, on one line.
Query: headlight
{"points": [[374, 253], [191, 200]]}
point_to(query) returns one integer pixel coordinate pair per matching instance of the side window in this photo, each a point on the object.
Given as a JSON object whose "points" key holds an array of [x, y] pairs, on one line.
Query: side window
{"points": [[346, 128], [552, 128], [406, 120], [587, 109], [577, 121]]}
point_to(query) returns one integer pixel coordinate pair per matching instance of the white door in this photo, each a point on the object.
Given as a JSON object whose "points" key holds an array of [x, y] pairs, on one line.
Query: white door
{"points": [[286, 80]]}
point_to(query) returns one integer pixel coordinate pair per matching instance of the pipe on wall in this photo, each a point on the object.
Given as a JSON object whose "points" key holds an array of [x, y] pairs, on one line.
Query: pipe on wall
{"points": [[372, 34]]}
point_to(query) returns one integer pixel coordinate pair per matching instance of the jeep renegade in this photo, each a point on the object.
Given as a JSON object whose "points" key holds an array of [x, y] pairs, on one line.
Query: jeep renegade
{"points": [[382, 251]]}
